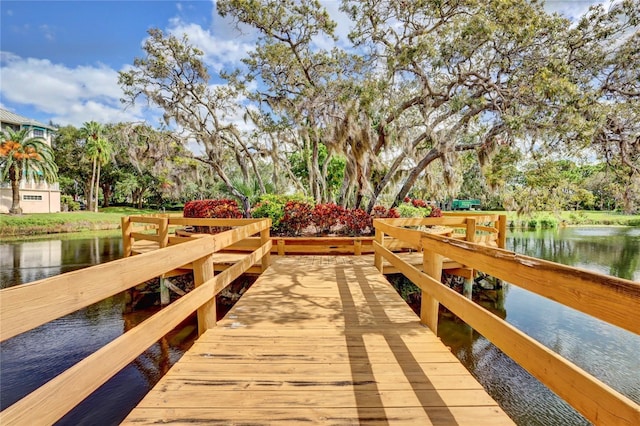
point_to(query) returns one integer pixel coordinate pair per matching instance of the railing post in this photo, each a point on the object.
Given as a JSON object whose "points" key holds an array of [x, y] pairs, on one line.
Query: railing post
{"points": [[377, 257], [429, 306], [471, 230], [163, 241], [125, 225], [163, 232], [357, 247], [265, 236], [502, 231], [203, 272]]}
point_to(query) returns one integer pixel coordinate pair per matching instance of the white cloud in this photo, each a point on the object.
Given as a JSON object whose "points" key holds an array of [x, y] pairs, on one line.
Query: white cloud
{"points": [[571, 9], [67, 95], [219, 52]]}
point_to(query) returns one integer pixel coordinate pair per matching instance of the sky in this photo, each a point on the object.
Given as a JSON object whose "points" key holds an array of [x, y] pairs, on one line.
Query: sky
{"points": [[59, 60]]}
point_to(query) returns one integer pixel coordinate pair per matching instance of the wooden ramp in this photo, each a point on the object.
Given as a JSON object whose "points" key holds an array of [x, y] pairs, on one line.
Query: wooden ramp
{"points": [[319, 340]]}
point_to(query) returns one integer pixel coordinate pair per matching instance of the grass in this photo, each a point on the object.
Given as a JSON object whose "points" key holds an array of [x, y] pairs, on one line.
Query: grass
{"points": [[54, 223], [549, 219]]}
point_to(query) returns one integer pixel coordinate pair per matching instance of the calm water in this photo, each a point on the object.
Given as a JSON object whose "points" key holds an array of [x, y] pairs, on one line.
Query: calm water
{"points": [[29, 360], [605, 351]]}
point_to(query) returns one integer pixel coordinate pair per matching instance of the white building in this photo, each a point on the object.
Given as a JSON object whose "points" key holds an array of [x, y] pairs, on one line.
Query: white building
{"points": [[35, 197]]}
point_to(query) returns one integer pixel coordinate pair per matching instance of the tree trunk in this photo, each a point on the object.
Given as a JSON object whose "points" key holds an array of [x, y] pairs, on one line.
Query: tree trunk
{"points": [[97, 194], [14, 177], [413, 176], [391, 172], [106, 192], [93, 177]]}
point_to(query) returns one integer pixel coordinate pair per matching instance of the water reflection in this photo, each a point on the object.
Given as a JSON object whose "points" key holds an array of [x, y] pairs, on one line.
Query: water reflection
{"points": [[609, 250], [28, 261]]}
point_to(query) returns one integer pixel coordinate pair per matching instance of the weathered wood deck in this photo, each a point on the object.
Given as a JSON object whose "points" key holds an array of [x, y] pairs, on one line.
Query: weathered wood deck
{"points": [[319, 339]]}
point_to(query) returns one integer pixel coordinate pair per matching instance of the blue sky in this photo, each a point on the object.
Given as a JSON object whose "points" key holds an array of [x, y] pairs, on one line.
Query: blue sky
{"points": [[59, 59]]}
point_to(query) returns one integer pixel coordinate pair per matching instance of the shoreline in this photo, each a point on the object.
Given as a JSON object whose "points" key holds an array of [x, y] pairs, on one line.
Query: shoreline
{"points": [[46, 225]]}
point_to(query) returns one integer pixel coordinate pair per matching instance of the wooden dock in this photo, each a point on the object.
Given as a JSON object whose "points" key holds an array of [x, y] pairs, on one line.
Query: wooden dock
{"points": [[319, 340]]}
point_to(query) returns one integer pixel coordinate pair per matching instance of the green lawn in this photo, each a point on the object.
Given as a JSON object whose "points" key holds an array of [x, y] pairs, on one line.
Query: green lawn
{"points": [[53, 223], [582, 217]]}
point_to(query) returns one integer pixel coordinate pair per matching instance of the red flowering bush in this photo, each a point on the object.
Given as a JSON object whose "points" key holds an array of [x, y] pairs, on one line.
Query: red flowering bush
{"points": [[222, 209], [381, 212], [435, 212], [356, 222], [219, 209], [419, 203], [326, 216], [298, 215]]}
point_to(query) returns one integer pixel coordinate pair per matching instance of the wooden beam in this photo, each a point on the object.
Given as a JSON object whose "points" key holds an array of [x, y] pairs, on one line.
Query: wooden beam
{"points": [[614, 300], [429, 306], [126, 226], [30, 305], [502, 231], [202, 273]]}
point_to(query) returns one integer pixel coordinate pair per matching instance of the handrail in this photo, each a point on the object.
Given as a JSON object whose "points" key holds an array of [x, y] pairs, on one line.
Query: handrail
{"points": [[613, 300], [27, 306], [491, 234]]}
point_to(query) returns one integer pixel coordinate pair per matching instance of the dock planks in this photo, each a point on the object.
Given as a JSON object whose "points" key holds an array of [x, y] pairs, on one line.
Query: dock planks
{"points": [[319, 340]]}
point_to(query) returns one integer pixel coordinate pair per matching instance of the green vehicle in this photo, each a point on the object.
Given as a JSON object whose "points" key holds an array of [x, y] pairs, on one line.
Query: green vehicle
{"points": [[465, 205]]}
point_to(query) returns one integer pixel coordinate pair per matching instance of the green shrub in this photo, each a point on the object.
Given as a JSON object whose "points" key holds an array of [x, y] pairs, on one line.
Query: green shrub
{"points": [[409, 210], [68, 204], [547, 222]]}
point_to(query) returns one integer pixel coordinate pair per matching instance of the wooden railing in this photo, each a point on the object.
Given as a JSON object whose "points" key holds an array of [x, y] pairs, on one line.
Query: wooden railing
{"points": [[154, 231], [27, 306], [610, 299]]}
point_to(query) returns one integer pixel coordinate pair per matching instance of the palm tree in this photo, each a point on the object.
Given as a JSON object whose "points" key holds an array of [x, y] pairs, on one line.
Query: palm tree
{"points": [[25, 157], [99, 151]]}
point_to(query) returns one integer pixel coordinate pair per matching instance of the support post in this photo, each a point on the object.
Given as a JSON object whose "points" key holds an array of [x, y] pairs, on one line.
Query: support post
{"points": [[471, 230], [163, 241], [377, 257], [357, 247], [163, 232], [429, 306], [203, 272], [165, 297], [502, 231], [125, 225], [264, 239], [280, 247], [467, 291]]}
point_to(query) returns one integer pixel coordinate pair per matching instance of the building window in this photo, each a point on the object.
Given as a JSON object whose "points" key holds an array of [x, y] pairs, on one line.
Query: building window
{"points": [[32, 197], [38, 133]]}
